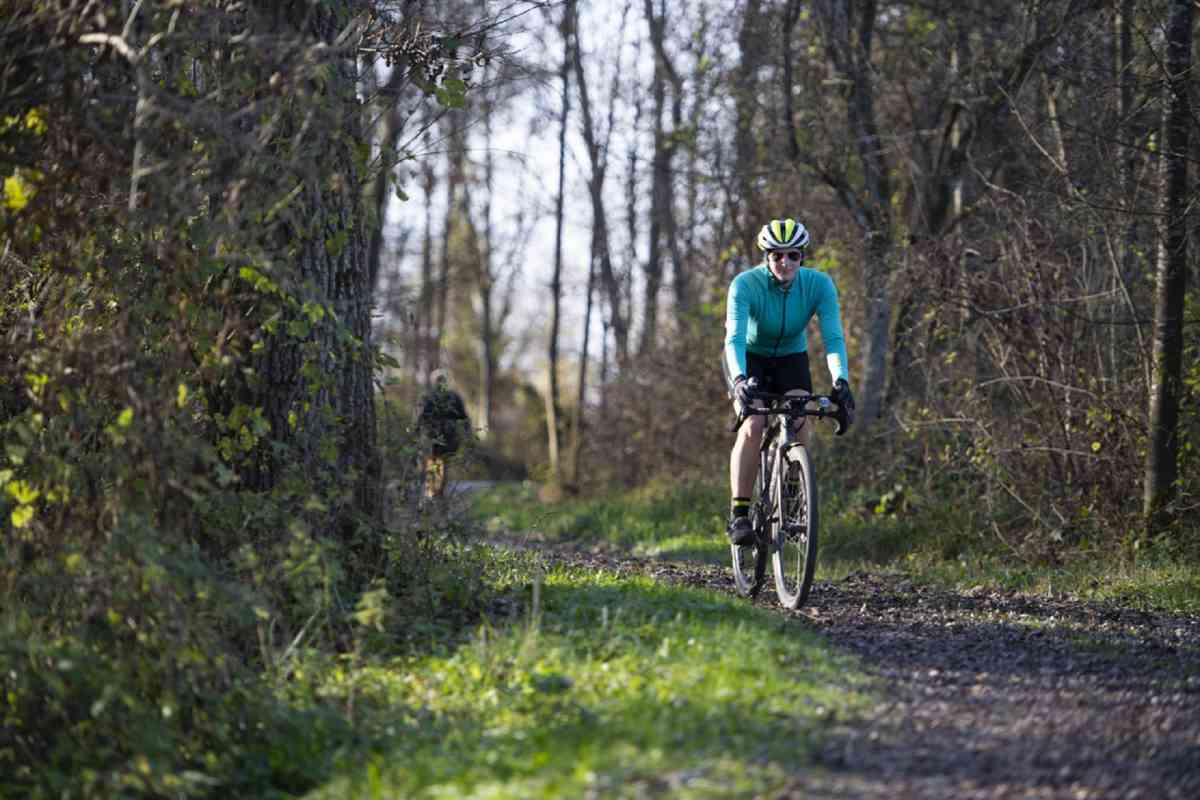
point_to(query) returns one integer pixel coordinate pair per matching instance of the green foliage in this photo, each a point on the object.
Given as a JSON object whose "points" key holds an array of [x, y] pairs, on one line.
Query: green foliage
{"points": [[189, 488], [452, 93], [592, 683]]}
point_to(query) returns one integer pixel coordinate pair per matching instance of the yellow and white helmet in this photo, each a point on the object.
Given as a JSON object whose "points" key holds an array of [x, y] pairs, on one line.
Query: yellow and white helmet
{"points": [[783, 234]]}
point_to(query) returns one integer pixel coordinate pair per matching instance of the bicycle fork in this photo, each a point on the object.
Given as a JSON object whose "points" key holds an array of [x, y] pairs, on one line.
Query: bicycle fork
{"points": [[778, 439], [767, 505]]}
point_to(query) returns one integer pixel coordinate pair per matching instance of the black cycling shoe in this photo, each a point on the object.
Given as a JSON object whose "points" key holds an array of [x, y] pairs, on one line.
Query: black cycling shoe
{"points": [[741, 533]]}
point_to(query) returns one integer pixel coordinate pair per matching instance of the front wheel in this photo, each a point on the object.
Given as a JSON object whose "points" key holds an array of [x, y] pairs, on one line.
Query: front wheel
{"points": [[794, 527], [750, 561]]}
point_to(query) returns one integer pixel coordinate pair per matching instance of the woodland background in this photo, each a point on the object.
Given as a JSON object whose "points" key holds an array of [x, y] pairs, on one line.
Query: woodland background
{"points": [[237, 237]]}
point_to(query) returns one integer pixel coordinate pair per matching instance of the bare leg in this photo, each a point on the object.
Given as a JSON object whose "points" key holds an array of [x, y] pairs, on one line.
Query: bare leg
{"points": [[435, 476], [743, 461]]}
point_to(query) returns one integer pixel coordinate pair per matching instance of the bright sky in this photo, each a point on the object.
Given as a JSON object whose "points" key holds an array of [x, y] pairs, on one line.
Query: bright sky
{"points": [[525, 150]]}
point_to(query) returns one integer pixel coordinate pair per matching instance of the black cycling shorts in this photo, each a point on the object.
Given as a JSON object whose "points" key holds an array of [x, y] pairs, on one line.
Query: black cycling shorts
{"points": [[777, 375]]}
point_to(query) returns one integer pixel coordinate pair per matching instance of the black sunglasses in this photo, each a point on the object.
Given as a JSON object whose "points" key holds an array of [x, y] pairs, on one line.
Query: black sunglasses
{"points": [[792, 255]]}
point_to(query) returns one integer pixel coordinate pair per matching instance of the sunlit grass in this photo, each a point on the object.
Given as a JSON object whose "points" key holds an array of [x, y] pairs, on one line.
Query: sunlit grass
{"points": [[935, 543], [614, 687], [685, 522]]}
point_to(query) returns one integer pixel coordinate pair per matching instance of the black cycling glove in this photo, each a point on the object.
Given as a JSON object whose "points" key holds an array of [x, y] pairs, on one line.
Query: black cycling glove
{"points": [[842, 395], [743, 392]]}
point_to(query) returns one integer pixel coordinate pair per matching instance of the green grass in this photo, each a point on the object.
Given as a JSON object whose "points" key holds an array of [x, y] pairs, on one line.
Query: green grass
{"points": [[615, 687], [1151, 583], [932, 542], [684, 522]]}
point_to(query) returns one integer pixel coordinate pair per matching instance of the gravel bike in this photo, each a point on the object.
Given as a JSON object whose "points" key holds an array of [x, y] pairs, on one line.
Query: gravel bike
{"points": [[783, 511]]}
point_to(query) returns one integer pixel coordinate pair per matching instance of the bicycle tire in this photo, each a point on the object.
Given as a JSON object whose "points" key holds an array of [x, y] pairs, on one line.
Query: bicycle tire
{"points": [[794, 526], [747, 582]]}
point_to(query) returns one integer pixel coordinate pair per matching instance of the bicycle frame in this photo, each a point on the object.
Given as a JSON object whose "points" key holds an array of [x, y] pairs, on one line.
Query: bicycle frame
{"points": [[786, 416]]}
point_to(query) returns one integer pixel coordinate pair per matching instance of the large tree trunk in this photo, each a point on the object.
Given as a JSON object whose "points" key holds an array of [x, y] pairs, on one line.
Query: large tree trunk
{"points": [[314, 382], [1162, 458]]}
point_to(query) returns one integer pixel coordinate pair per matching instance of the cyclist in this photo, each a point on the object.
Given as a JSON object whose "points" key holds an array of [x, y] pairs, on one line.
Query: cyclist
{"points": [[768, 308], [443, 420]]}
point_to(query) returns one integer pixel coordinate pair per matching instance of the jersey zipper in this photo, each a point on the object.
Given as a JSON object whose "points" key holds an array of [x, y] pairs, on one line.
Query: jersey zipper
{"points": [[782, 321]]}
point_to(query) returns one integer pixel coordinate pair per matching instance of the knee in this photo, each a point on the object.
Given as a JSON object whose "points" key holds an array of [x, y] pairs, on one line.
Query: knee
{"points": [[751, 431]]}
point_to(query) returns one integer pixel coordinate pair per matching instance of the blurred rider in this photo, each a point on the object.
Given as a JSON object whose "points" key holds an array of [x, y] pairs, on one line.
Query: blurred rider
{"points": [[443, 421]]}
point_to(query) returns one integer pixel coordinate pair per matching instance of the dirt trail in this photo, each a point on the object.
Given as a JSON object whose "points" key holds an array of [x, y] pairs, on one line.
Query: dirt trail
{"points": [[989, 694]]}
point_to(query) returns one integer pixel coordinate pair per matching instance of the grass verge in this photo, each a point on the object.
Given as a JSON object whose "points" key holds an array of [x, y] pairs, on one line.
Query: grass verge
{"points": [[601, 685], [683, 522], [931, 542]]}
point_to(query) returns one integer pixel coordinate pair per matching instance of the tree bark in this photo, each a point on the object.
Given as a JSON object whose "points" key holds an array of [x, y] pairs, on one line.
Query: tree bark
{"points": [[659, 171], [1162, 458], [597, 150], [745, 208], [666, 143], [552, 390], [422, 352], [456, 157], [315, 381], [578, 417], [486, 283], [849, 49]]}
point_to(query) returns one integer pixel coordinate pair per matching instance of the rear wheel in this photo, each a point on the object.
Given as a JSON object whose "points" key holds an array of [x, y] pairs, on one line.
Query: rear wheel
{"points": [[794, 527]]}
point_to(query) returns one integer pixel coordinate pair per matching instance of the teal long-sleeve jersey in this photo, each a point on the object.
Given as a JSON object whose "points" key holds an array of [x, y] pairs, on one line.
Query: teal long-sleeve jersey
{"points": [[764, 317]]}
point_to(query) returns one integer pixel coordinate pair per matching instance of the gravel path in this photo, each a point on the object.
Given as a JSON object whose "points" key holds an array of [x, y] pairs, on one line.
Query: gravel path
{"points": [[991, 694]]}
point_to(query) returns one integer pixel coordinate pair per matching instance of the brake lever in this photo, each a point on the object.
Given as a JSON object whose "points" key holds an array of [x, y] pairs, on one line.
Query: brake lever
{"points": [[842, 418]]}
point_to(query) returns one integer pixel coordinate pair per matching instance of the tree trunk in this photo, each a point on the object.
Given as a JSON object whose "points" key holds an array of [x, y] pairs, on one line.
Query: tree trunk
{"points": [[653, 268], [391, 122], [456, 156], [578, 417], [1131, 267], [487, 282], [422, 353], [552, 390], [314, 381], [597, 150], [665, 145], [378, 194], [744, 207], [632, 192], [1162, 458], [871, 200]]}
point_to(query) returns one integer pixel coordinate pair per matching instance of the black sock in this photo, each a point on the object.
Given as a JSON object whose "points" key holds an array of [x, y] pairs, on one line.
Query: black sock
{"points": [[740, 506]]}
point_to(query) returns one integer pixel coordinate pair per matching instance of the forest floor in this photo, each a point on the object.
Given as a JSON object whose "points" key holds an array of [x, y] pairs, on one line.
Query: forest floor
{"points": [[987, 693]]}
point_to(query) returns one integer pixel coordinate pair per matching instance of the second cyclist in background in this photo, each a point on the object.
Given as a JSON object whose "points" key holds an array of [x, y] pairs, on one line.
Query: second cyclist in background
{"points": [[767, 312], [444, 423]]}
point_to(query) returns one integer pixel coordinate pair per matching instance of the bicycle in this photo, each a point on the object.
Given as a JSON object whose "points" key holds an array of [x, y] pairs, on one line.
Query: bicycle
{"points": [[783, 512]]}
